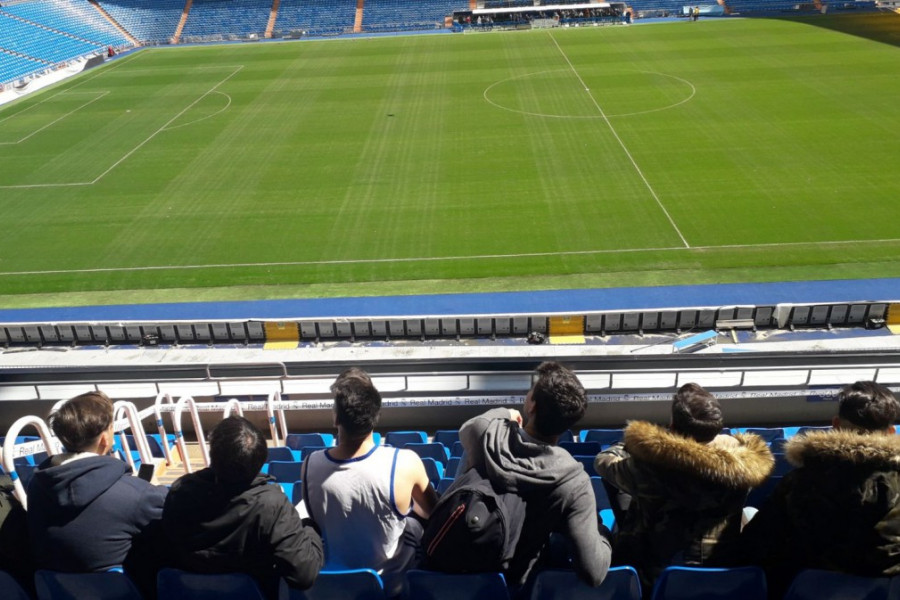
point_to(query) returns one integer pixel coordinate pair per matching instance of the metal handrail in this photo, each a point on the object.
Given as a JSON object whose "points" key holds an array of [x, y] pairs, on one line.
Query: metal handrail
{"points": [[198, 429], [51, 446], [133, 421]]}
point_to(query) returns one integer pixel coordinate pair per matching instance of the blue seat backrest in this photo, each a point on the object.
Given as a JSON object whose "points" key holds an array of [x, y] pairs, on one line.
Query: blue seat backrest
{"points": [[352, 584], [447, 586], [815, 584], [581, 448], [447, 436], [401, 438], [694, 583], [52, 585], [621, 583], [285, 471], [434, 450], [175, 584], [280, 453], [606, 437]]}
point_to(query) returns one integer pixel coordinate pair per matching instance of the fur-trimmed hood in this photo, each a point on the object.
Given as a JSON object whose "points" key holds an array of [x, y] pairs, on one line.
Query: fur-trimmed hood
{"points": [[744, 464], [873, 450]]}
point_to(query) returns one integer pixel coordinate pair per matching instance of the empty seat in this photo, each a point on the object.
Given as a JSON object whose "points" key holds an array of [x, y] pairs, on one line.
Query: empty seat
{"points": [[621, 583], [285, 471], [296, 441], [52, 585], [352, 584], [175, 584], [443, 484], [434, 450], [581, 448], [587, 462], [605, 437], [695, 583], [282, 453], [429, 585], [815, 584], [456, 449], [401, 438], [447, 437], [434, 470], [452, 466], [769, 434]]}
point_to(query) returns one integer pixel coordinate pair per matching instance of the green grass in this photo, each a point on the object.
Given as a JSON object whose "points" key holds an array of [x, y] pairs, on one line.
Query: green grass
{"points": [[720, 151]]}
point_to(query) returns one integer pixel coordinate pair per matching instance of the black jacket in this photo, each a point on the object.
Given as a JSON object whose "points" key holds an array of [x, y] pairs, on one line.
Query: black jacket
{"points": [[216, 527], [85, 514], [839, 510]]}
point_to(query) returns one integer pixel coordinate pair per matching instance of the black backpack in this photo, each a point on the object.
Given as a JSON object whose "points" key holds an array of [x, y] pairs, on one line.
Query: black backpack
{"points": [[474, 528]]}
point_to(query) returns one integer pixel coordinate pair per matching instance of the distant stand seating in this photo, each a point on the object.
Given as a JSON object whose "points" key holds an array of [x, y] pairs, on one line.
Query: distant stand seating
{"points": [[401, 15], [78, 19], [315, 17], [149, 21], [211, 20]]}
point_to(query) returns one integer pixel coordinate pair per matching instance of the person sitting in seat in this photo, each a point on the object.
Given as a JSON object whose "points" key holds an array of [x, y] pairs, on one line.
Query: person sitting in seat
{"points": [[368, 499], [687, 486], [86, 512], [839, 509], [228, 518]]}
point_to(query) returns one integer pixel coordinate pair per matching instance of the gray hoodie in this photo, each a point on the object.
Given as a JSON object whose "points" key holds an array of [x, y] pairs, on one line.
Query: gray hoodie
{"points": [[556, 489]]}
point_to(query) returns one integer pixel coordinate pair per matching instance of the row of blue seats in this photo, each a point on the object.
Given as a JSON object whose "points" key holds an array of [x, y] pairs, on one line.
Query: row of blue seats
{"points": [[621, 583], [79, 19]]}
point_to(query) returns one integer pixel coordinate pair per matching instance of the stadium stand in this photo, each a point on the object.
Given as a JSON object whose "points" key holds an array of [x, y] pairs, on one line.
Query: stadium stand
{"points": [[315, 17], [150, 21], [216, 20], [78, 19], [399, 15]]}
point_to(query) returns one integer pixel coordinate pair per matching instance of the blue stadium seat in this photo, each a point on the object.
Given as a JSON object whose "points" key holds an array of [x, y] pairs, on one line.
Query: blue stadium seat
{"points": [[285, 471], [52, 585], [695, 583], [175, 584], [443, 484], [398, 439], [296, 441], [297, 492], [305, 451], [434, 470], [282, 453], [429, 585], [769, 434], [452, 466], [606, 437], [758, 496], [447, 437], [582, 448], [587, 462], [352, 584], [815, 584], [456, 449], [434, 450], [621, 583], [10, 588]]}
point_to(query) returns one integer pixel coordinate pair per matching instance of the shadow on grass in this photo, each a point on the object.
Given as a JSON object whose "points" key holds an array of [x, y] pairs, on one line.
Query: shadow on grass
{"points": [[878, 26]]}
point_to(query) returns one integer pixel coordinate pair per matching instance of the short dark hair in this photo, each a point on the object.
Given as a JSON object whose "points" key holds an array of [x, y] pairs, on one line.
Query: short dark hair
{"points": [[237, 450], [560, 399], [868, 406], [357, 403], [696, 413], [80, 420]]}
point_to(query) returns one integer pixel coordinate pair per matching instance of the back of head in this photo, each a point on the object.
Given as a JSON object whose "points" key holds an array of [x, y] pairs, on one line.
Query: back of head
{"points": [[560, 399], [696, 413], [867, 406], [357, 403], [80, 421], [237, 450]]}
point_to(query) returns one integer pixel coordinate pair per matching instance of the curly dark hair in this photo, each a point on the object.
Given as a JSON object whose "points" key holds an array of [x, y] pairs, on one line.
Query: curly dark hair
{"points": [[560, 399], [237, 450], [696, 413]]}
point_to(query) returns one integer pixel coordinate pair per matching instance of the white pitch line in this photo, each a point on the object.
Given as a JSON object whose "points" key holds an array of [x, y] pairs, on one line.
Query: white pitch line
{"points": [[55, 121], [130, 152], [360, 261], [621, 143]]}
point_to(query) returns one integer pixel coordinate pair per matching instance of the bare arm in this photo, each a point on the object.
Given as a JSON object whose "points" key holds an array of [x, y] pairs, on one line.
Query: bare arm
{"points": [[412, 487]]}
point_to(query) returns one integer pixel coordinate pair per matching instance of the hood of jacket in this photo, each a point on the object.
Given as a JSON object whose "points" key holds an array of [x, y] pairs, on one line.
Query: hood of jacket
{"points": [[518, 464], [744, 464], [874, 451], [77, 483]]}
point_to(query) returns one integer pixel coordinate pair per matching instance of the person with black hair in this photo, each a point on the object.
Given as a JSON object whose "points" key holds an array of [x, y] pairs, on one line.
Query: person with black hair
{"points": [[517, 453], [687, 485], [86, 512], [228, 518], [839, 509], [367, 498]]}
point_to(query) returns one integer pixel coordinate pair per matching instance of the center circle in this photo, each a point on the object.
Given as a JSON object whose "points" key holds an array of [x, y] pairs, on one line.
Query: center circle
{"points": [[560, 94]]}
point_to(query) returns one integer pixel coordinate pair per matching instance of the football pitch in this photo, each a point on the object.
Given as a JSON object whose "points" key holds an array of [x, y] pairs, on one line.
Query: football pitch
{"points": [[718, 151]]}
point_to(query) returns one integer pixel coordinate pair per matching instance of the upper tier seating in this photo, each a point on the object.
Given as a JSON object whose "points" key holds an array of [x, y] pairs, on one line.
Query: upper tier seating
{"points": [[212, 19], [400, 15], [32, 41], [316, 17], [78, 19], [150, 21]]}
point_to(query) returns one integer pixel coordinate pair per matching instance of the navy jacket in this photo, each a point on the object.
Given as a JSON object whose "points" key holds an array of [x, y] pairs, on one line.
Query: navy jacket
{"points": [[84, 515]]}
